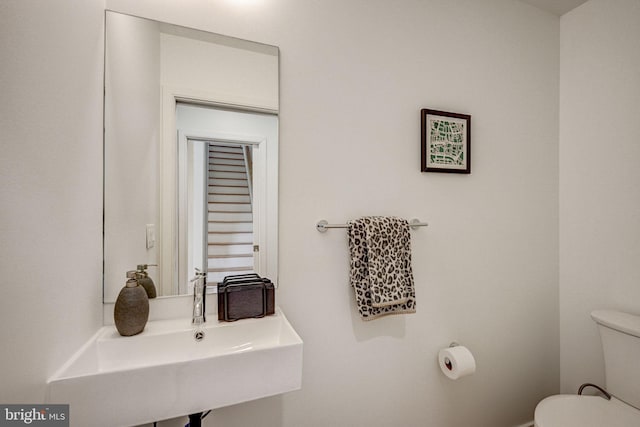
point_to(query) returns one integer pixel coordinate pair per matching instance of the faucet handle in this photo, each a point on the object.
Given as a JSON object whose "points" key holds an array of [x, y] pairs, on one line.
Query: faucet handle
{"points": [[200, 275]]}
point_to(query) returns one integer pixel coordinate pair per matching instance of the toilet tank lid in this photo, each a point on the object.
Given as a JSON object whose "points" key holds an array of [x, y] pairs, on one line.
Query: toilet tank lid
{"points": [[623, 322]]}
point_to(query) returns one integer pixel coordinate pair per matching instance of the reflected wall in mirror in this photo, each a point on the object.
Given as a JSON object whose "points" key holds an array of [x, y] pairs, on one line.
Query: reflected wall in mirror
{"points": [[174, 97]]}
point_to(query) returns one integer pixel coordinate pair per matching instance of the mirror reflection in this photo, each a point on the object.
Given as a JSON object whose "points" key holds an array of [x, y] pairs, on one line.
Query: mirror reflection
{"points": [[191, 154], [222, 186]]}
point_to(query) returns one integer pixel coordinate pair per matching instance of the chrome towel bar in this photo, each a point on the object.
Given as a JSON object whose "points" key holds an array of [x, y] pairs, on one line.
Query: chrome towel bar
{"points": [[322, 226]]}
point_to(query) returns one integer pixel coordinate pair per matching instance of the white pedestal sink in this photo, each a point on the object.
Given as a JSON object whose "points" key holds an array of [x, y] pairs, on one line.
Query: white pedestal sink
{"points": [[164, 373]]}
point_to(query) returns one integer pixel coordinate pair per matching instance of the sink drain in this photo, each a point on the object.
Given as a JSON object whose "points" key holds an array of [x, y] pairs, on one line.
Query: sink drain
{"points": [[198, 335]]}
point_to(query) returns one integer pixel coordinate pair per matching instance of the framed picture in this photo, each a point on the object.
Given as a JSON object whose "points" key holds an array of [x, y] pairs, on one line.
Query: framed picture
{"points": [[446, 142]]}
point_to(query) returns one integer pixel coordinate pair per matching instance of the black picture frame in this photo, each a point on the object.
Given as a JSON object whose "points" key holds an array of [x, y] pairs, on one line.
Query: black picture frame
{"points": [[446, 141]]}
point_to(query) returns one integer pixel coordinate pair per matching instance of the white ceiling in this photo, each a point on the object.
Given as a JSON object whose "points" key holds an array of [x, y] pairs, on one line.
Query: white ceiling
{"points": [[557, 7]]}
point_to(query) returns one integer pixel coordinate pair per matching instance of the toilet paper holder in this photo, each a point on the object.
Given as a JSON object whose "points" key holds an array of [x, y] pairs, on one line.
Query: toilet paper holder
{"points": [[447, 362], [456, 361]]}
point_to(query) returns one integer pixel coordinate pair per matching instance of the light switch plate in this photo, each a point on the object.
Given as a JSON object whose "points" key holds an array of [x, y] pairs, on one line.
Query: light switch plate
{"points": [[151, 235]]}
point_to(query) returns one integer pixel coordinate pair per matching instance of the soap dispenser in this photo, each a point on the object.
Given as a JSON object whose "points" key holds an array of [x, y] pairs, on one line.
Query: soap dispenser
{"points": [[131, 311], [145, 281]]}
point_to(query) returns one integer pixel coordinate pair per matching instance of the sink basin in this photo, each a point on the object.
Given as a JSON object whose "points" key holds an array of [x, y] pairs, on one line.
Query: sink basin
{"points": [[164, 372]]}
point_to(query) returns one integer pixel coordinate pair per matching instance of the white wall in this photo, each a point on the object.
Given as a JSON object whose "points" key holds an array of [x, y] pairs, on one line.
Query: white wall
{"points": [[486, 268], [599, 176], [50, 188], [239, 74], [132, 139], [354, 76]]}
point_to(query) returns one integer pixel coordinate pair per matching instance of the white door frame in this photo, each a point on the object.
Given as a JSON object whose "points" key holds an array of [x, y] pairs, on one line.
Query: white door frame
{"points": [[259, 184]]}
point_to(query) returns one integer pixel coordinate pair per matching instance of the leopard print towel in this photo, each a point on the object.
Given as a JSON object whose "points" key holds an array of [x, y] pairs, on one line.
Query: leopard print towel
{"points": [[381, 275]]}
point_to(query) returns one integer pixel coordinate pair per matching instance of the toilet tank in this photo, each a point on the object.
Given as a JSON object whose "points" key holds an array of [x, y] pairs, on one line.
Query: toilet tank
{"points": [[620, 335]]}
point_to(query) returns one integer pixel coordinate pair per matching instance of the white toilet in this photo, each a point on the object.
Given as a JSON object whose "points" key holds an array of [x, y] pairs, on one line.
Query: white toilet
{"points": [[620, 335]]}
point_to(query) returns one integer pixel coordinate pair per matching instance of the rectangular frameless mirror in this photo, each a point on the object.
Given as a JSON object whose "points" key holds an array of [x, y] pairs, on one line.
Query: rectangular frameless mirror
{"points": [[190, 152]]}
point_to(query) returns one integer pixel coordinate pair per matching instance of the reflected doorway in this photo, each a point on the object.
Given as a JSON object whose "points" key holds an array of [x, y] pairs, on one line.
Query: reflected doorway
{"points": [[221, 192], [220, 208]]}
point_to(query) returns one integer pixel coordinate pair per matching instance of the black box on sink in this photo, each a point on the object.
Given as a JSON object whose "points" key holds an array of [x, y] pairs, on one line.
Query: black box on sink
{"points": [[245, 296]]}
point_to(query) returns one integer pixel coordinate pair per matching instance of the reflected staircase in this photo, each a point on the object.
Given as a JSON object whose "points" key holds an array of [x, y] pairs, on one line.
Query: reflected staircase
{"points": [[229, 216]]}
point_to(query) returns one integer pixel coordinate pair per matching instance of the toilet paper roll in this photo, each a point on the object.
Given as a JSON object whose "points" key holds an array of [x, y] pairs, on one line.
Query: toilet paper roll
{"points": [[456, 362]]}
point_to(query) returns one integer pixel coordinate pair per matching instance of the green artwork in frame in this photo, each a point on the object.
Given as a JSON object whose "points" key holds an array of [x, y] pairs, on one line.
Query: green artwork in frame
{"points": [[446, 142]]}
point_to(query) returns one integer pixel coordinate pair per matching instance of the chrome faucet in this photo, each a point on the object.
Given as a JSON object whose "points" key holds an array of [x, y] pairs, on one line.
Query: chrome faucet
{"points": [[199, 297]]}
